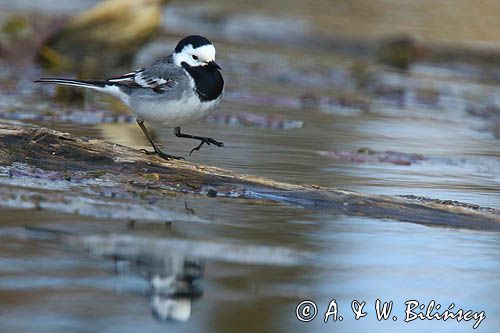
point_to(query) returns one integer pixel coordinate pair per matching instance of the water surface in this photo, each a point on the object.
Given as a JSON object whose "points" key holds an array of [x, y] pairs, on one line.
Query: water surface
{"points": [[245, 265]]}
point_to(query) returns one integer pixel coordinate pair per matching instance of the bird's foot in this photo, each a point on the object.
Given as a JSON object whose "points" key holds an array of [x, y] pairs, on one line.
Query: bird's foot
{"points": [[208, 141], [161, 154]]}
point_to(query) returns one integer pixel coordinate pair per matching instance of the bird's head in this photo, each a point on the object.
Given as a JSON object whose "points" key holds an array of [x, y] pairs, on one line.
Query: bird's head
{"points": [[195, 51]]}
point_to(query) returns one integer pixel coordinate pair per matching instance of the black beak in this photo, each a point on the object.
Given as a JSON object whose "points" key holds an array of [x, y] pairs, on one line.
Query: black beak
{"points": [[213, 64]]}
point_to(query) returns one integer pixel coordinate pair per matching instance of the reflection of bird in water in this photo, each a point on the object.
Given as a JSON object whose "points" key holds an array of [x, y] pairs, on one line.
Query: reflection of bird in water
{"points": [[174, 280], [176, 309], [172, 294]]}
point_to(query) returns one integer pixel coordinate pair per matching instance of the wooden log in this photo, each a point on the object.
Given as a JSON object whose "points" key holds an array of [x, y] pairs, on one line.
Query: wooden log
{"points": [[32, 158]]}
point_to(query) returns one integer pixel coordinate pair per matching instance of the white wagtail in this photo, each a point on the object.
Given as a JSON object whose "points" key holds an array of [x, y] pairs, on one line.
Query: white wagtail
{"points": [[172, 91]]}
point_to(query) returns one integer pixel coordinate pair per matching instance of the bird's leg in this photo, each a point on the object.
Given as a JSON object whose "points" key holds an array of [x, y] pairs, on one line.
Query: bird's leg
{"points": [[157, 150], [203, 139]]}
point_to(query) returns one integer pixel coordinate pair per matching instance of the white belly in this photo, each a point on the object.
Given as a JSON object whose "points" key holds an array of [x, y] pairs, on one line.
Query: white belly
{"points": [[172, 113]]}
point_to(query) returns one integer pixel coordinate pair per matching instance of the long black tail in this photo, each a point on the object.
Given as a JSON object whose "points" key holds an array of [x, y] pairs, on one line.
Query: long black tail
{"points": [[107, 87], [74, 83]]}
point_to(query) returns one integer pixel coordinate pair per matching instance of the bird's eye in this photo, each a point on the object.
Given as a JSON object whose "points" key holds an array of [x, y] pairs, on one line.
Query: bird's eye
{"points": [[194, 57]]}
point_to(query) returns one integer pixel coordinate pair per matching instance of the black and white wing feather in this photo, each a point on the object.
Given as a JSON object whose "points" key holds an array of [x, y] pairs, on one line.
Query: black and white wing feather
{"points": [[159, 77], [139, 79], [155, 77]]}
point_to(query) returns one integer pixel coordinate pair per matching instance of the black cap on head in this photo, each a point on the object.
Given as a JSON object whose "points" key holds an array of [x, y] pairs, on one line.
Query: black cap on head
{"points": [[194, 40]]}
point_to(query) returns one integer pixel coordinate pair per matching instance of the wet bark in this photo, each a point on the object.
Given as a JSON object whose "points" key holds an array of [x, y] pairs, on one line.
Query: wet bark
{"points": [[35, 159]]}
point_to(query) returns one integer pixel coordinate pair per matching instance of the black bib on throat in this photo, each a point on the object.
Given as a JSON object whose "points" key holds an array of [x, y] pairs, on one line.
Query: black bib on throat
{"points": [[208, 81]]}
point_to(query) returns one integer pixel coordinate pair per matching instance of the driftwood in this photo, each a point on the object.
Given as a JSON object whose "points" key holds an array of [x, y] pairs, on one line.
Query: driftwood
{"points": [[47, 169]]}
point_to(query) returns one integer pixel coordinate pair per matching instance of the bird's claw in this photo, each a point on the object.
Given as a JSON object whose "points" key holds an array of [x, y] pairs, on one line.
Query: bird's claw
{"points": [[147, 152], [161, 154], [208, 141], [215, 142]]}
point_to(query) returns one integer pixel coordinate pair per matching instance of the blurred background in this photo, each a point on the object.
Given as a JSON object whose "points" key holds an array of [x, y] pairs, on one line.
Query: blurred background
{"points": [[386, 97]]}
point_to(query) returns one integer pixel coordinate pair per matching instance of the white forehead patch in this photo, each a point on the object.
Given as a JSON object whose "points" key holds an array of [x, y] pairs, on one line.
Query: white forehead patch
{"points": [[205, 53]]}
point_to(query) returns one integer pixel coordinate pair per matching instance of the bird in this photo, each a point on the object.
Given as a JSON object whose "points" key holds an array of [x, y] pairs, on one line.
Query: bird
{"points": [[173, 91]]}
